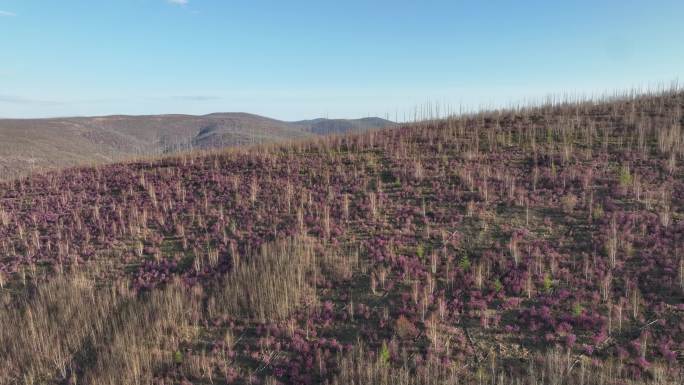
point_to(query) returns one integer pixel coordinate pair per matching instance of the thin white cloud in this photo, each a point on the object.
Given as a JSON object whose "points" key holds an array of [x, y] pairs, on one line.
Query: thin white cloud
{"points": [[178, 2], [13, 99], [197, 98], [12, 14]]}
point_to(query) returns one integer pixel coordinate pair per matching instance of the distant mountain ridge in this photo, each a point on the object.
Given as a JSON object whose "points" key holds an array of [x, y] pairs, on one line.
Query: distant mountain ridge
{"points": [[37, 144], [340, 126]]}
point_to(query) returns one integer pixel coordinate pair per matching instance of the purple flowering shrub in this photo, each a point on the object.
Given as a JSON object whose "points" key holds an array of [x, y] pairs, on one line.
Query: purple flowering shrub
{"points": [[495, 236]]}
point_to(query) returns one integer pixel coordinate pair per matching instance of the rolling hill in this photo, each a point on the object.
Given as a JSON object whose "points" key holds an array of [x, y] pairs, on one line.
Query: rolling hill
{"points": [[540, 245], [38, 144]]}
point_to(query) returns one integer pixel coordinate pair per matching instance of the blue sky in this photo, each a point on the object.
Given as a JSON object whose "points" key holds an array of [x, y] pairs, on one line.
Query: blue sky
{"points": [[305, 59]]}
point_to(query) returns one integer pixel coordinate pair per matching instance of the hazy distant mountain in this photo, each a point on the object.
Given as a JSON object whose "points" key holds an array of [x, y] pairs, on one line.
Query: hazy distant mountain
{"points": [[33, 144], [337, 126]]}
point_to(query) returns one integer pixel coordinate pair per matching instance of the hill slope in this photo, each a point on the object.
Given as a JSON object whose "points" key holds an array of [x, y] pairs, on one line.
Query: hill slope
{"points": [[535, 246], [36, 144], [342, 126]]}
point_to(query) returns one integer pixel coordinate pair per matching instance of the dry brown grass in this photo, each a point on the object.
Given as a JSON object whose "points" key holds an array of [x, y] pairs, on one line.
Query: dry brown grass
{"points": [[72, 330], [144, 337], [363, 367], [556, 367], [272, 283], [40, 337]]}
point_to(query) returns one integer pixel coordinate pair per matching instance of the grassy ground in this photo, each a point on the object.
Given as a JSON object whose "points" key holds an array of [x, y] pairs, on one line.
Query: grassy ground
{"points": [[538, 246]]}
